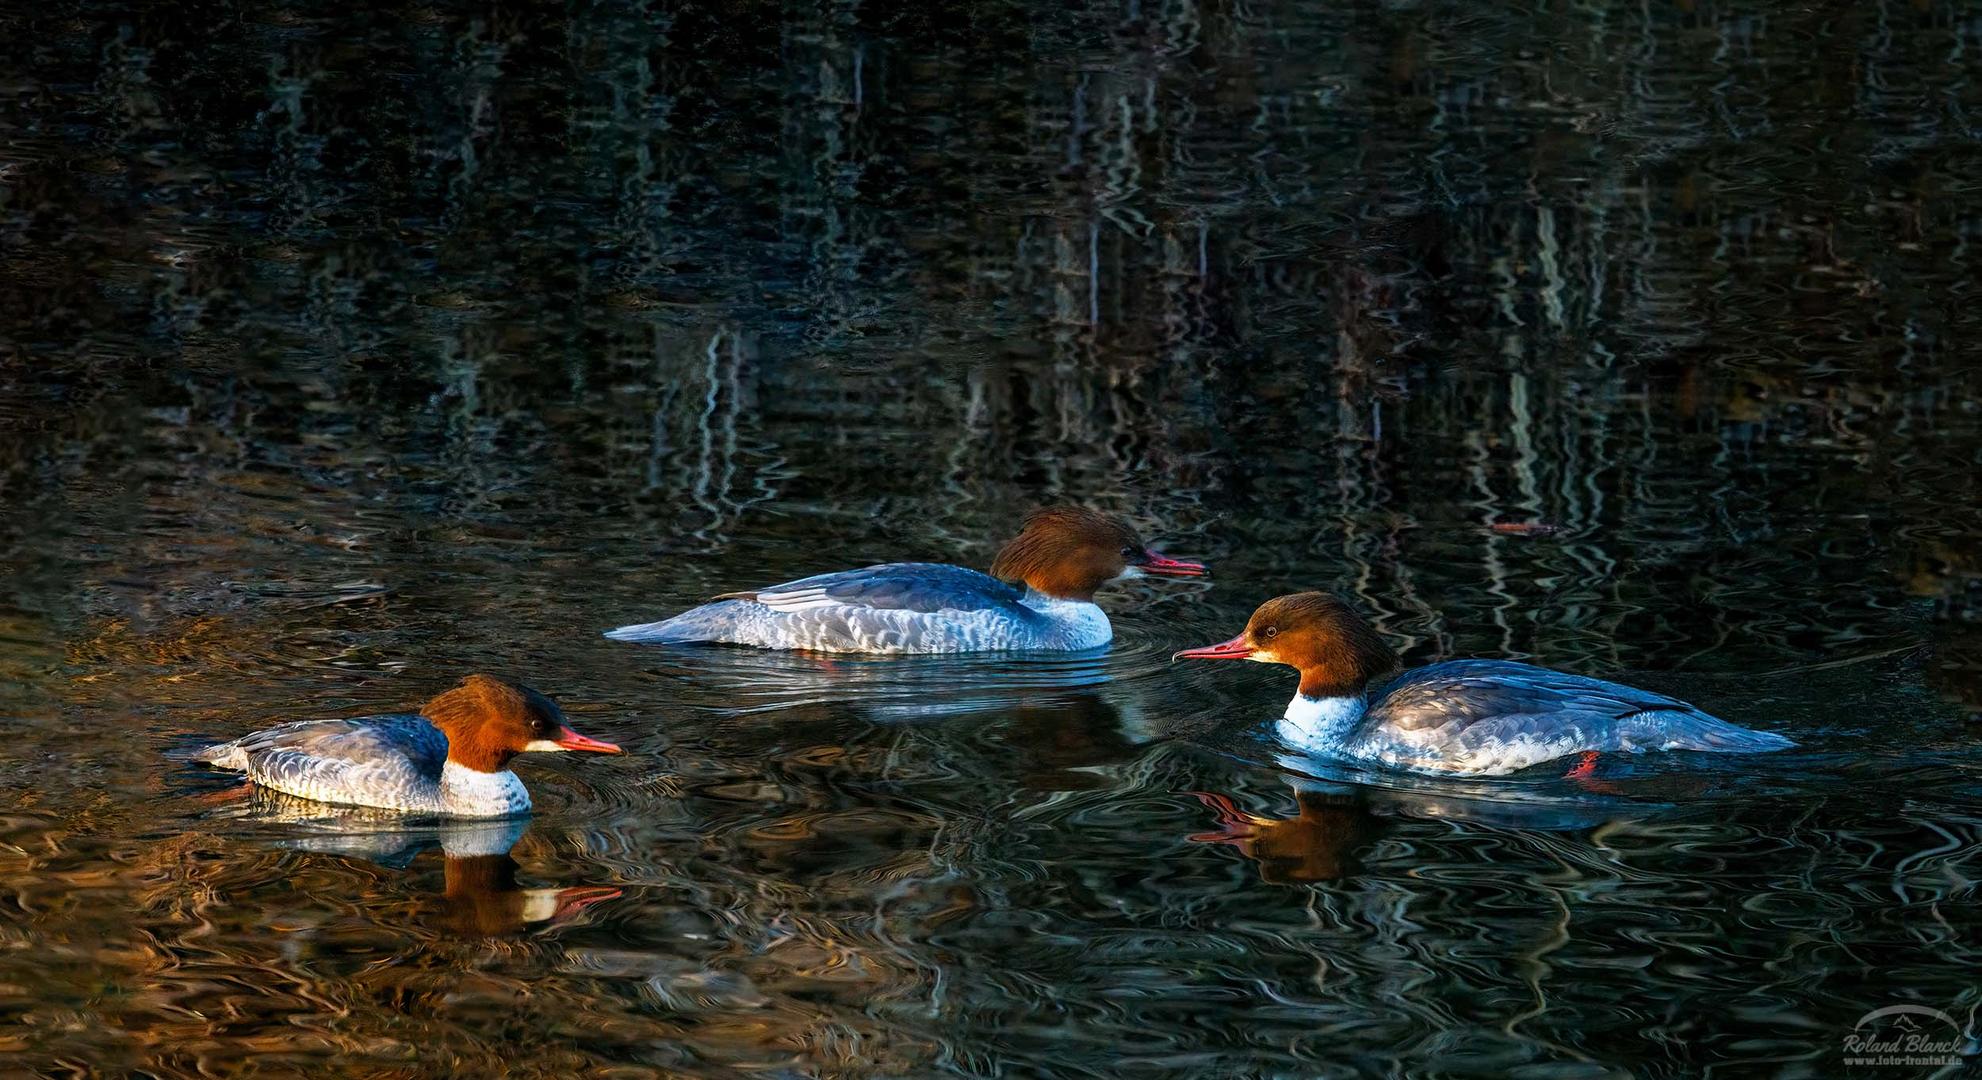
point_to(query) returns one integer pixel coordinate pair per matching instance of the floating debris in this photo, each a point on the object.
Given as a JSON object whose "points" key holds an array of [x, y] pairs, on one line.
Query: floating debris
{"points": [[1524, 528]]}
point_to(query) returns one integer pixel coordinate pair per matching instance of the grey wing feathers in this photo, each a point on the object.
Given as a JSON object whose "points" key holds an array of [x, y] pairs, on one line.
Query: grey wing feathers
{"points": [[1470, 691], [924, 587], [894, 607], [364, 739], [1484, 707], [1656, 729]]}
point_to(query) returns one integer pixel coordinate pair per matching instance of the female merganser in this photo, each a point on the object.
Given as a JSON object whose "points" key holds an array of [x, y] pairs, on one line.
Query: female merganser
{"points": [[1484, 717], [1038, 595], [452, 758]]}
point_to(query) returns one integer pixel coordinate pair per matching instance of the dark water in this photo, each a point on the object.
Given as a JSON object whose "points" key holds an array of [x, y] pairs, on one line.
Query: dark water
{"points": [[342, 353]]}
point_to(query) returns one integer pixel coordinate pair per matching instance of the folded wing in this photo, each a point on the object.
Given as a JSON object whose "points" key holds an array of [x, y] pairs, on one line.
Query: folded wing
{"points": [[893, 607], [382, 759], [1497, 716], [1464, 692], [922, 587]]}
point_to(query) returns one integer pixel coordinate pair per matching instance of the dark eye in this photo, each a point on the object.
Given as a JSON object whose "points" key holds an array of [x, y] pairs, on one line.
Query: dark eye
{"points": [[1129, 553], [1272, 630]]}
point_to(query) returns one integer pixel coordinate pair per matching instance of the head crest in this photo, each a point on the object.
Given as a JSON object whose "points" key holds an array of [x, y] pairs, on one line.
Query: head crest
{"points": [[489, 720], [1339, 654], [1068, 551]]}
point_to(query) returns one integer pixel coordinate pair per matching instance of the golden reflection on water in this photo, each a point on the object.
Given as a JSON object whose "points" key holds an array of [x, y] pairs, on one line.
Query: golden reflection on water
{"points": [[348, 351]]}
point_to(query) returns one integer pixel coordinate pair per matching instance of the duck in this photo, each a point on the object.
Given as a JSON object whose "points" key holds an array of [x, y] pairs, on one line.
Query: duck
{"points": [[1039, 595], [1472, 717], [451, 758]]}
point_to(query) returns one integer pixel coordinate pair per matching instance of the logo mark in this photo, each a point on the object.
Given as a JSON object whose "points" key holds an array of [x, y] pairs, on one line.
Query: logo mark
{"points": [[1904, 1035]]}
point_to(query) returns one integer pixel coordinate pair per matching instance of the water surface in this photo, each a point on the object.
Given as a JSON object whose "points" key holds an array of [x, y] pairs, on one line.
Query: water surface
{"points": [[343, 353]]}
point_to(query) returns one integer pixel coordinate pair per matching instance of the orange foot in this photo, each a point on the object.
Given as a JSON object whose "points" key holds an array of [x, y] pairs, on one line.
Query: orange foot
{"points": [[1584, 773]]}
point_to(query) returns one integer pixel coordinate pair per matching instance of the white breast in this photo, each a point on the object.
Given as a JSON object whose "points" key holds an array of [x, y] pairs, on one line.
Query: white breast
{"points": [[466, 792], [1320, 725], [1081, 624]]}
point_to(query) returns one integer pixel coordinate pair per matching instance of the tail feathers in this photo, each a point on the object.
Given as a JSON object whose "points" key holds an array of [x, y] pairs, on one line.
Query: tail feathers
{"points": [[227, 755], [710, 622], [1674, 730]]}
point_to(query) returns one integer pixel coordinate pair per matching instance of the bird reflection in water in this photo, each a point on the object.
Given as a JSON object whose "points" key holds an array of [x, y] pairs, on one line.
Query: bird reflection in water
{"points": [[1317, 844], [481, 895], [1346, 807], [1060, 741], [484, 899]]}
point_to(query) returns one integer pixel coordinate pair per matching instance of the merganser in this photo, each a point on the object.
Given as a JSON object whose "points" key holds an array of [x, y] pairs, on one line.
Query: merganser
{"points": [[1481, 717], [1038, 595], [452, 758]]}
